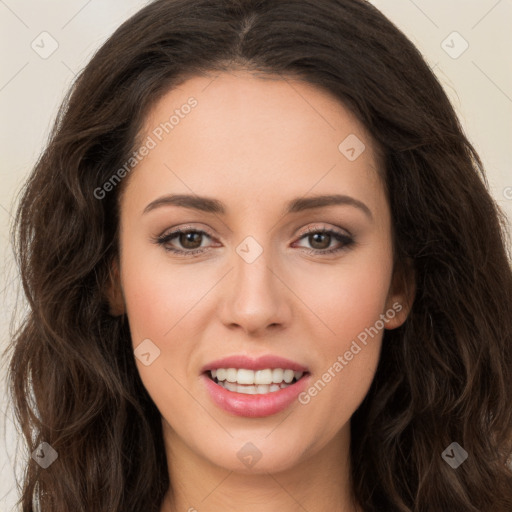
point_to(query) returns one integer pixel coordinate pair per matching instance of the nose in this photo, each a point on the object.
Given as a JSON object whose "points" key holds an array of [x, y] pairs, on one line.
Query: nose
{"points": [[256, 298]]}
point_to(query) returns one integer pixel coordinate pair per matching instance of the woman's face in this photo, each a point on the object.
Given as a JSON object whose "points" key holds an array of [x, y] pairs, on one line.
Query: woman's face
{"points": [[268, 290]]}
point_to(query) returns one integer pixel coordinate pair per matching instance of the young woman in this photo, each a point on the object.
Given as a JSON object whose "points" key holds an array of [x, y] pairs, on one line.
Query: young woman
{"points": [[264, 273]]}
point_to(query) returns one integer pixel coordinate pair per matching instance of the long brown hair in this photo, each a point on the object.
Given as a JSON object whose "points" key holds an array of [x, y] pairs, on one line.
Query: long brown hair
{"points": [[445, 376]]}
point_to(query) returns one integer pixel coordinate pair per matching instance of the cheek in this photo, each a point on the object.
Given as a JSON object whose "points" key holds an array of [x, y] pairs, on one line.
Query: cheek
{"points": [[339, 300], [157, 301], [349, 303], [349, 297], [157, 293], [146, 307], [163, 304]]}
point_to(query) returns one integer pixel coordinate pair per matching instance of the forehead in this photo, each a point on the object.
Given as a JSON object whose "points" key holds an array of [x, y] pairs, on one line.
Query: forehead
{"points": [[254, 137]]}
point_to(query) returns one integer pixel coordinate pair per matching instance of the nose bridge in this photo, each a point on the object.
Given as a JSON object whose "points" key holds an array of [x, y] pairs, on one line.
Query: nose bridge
{"points": [[252, 264], [256, 297]]}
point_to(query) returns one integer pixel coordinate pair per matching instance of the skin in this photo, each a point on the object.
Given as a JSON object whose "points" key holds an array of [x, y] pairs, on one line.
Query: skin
{"points": [[255, 143]]}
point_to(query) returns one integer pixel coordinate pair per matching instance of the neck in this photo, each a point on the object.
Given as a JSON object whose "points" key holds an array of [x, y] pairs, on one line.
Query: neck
{"points": [[320, 482]]}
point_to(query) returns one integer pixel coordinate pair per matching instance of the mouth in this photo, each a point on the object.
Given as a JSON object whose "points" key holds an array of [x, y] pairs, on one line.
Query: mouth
{"points": [[254, 393], [254, 387], [255, 382]]}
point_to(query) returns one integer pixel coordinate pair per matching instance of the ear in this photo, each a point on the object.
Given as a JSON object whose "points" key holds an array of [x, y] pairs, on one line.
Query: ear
{"points": [[113, 291], [401, 293]]}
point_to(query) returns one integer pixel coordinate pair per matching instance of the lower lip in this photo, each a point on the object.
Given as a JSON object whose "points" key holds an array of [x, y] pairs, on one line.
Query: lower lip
{"points": [[254, 406]]}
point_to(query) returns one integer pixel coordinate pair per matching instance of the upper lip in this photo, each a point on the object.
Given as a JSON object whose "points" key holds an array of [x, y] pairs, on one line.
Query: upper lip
{"points": [[256, 363]]}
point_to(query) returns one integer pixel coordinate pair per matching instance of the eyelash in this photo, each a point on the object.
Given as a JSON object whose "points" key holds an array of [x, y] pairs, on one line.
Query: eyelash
{"points": [[163, 240]]}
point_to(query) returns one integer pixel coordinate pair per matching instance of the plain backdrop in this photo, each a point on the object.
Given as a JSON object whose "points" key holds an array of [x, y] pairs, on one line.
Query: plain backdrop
{"points": [[466, 42]]}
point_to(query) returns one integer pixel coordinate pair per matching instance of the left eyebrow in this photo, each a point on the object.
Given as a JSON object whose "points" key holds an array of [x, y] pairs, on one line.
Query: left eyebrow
{"points": [[204, 204], [307, 203], [211, 205]]}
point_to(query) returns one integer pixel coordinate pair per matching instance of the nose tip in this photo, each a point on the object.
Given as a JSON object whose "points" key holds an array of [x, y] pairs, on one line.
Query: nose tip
{"points": [[256, 299]]}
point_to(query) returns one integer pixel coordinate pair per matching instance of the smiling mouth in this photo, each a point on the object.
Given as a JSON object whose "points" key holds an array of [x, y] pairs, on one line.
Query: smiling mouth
{"points": [[255, 382]]}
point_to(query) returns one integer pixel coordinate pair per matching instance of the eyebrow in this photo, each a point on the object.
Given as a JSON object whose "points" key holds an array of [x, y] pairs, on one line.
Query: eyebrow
{"points": [[210, 205]]}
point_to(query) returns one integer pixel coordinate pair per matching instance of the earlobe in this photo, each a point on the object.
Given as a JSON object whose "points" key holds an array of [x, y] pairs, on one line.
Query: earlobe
{"points": [[113, 291], [401, 294]]}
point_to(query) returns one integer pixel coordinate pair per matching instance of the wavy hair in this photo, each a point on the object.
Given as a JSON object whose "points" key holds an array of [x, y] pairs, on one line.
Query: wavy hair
{"points": [[444, 376]]}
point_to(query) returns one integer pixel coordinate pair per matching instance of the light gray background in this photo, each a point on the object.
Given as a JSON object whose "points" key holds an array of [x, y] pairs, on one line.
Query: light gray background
{"points": [[478, 81]]}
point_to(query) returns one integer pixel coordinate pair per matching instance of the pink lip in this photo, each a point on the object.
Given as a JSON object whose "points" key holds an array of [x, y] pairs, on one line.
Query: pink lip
{"points": [[254, 406], [260, 363]]}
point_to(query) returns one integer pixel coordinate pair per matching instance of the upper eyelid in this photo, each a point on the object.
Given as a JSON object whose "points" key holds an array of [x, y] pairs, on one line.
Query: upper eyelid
{"points": [[347, 240], [179, 229], [324, 228], [208, 233]]}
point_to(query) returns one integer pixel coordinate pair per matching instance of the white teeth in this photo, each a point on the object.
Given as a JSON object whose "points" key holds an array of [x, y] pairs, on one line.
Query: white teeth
{"points": [[288, 376], [249, 390], [245, 377], [260, 389], [263, 376], [251, 382], [231, 386], [231, 374], [277, 375]]}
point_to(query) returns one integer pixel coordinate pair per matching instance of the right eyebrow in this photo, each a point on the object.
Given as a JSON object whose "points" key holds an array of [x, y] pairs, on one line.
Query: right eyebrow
{"points": [[211, 205]]}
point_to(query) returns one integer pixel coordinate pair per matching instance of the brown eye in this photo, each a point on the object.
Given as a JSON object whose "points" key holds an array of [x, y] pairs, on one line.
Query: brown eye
{"points": [[190, 239], [186, 242], [320, 241]]}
